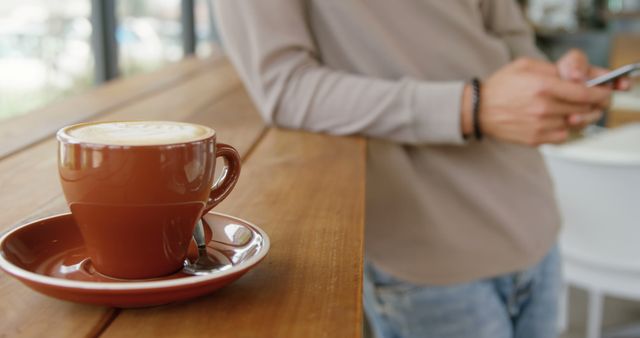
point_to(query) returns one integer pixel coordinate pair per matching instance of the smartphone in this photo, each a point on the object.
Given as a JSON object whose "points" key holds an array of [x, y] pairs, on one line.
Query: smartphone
{"points": [[614, 74]]}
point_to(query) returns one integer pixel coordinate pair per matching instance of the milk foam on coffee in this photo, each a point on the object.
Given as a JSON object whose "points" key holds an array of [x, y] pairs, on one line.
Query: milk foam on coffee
{"points": [[140, 133]]}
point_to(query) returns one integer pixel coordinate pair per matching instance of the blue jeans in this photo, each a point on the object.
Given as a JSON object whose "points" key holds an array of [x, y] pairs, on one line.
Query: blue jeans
{"points": [[516, 305]]}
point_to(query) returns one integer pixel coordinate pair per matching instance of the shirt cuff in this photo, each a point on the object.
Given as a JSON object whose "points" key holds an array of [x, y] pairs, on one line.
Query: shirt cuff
{"points": [[437, 112]]}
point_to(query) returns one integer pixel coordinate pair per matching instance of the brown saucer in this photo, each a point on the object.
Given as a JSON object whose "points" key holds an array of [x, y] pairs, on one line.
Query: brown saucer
{"points": [[48, 255]]}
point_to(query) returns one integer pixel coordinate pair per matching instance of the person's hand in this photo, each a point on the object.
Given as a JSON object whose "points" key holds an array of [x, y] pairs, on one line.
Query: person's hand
{"points": [[574, 66], [527, 102]]}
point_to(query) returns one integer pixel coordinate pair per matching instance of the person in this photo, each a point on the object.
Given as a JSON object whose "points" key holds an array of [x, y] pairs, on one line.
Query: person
{"points": [[461, 222]]}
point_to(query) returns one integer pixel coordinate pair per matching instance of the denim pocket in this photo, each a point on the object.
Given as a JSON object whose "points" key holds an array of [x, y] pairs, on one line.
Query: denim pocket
{"points": [[387, 284]]}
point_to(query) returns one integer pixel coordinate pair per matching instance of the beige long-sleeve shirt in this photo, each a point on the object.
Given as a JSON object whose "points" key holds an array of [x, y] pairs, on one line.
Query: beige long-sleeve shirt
{"points": [[439, 210]]}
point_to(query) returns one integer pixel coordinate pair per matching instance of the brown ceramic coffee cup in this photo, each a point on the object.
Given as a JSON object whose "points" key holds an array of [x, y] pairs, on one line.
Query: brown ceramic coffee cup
{"points": [[136, 190]]}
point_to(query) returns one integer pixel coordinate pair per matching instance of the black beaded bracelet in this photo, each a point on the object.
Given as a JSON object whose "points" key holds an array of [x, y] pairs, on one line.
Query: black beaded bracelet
{"points": [[475, 86]]}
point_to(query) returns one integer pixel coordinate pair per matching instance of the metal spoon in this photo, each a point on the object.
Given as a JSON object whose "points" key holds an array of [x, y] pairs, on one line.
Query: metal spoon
{"points": [[204, 264]]}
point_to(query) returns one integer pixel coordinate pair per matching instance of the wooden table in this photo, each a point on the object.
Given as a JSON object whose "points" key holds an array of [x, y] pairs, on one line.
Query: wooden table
{"points": [[625, 50], [305, 190]]}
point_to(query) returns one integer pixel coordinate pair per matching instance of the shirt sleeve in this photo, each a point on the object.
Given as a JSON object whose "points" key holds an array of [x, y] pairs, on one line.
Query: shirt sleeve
{"points": [[271, 46], [505, 19]]}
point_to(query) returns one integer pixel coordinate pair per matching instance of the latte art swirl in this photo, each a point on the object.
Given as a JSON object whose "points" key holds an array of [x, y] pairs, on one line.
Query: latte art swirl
{"points": [[138, 133]]}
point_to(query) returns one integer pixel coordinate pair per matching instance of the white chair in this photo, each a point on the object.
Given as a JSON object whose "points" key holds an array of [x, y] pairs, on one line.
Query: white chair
{"points": [[598, 189]]}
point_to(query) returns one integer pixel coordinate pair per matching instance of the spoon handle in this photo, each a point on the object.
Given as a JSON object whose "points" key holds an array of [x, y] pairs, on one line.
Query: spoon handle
{"points": [[198, 234]]}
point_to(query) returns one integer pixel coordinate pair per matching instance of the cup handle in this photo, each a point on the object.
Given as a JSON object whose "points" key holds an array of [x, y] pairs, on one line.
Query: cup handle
{"points": [[228, 178]]}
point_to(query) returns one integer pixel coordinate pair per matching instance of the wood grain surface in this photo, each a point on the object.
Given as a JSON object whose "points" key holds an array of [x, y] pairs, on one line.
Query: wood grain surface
{"points": [[307, 192], [31, 190], [625, 49]]}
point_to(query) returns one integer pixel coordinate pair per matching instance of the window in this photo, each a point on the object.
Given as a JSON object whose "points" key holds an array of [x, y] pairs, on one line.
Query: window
{"points": [[46, 47], [206, 33], [45, 52], [148, 34]]}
